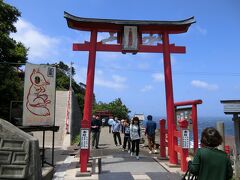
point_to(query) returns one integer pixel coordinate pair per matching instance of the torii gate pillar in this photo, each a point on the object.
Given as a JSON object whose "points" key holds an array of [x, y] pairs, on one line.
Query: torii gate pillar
{"points": [[129, 37], [169, 99], [88, 99]]}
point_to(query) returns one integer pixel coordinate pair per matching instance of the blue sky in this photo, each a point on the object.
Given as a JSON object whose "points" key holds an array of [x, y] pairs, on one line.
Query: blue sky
{"points": [[209, 70]]}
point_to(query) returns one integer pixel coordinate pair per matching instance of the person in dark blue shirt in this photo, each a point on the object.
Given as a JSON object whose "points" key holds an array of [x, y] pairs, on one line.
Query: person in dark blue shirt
{"points": [[150, 132]]}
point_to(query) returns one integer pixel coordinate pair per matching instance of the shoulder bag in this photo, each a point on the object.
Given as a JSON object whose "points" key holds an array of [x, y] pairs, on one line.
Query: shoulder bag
{"points": [[189, 176]]}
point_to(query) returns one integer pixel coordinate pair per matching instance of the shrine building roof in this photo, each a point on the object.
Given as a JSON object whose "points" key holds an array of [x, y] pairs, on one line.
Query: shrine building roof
{"points": [[115, 25]]}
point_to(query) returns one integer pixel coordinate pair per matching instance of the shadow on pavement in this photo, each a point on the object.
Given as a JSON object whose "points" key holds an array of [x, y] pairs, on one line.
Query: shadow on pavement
{"points": [[163, 176], [116, 176]]}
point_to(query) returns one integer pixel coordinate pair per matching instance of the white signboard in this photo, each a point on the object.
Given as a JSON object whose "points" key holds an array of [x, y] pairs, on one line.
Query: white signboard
{"points": [[130, 38], [185, 139], [39, 95], [84, 138], [232, 108]]}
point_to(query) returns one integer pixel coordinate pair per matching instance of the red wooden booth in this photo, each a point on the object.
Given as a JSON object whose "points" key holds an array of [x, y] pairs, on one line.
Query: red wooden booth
{"points": [[131, 36], [185, 121], [103, 113]]}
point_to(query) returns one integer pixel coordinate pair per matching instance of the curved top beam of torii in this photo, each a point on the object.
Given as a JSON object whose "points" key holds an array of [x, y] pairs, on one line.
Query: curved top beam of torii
{"points": [[131, 36], [114, 25]]}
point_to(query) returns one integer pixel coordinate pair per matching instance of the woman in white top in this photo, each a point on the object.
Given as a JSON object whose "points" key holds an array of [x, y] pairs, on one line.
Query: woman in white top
{"points": [[135, 136]]}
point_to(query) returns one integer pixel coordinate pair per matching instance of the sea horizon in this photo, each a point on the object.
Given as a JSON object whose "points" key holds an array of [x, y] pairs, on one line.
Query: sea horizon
{"points": [[207, 121]]}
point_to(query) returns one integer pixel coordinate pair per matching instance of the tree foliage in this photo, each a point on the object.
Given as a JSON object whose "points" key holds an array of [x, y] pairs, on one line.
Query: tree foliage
{"points": [[63, 83], [10, 50], [116, 107], [12, 55]]}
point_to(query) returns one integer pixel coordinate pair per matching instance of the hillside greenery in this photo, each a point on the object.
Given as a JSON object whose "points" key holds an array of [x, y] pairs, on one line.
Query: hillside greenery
{"points": [[116, 107], [13, 57]]}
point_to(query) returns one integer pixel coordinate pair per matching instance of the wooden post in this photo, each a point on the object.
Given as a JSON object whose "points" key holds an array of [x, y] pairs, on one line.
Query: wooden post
{"points": [[195, 127], [162, 143], [220, 128], [183, 124], [236, 121]]}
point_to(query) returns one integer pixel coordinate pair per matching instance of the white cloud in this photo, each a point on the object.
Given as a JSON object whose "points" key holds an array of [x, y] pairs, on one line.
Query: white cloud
{"points": [[109, 56], [99, 72], [81, 74], [204, 85], [201, 30], [174, 60], [118, 79], [146, 88], [143, 66], [158, 77], [115, 82], [40, 45]]}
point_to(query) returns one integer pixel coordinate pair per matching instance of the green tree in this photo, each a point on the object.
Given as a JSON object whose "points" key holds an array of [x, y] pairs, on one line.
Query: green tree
{"points": [[116, 107], [10, 50], [65, 68], [12, 55], [63, 83]]}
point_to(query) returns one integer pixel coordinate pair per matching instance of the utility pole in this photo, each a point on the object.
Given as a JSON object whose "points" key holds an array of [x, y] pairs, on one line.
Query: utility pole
{"points": [[70, 87], [70, 96], [69, 105]]}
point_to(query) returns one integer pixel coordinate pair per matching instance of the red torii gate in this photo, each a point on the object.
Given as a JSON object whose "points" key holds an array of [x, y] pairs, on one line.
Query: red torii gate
{"points": [[129, 38]]}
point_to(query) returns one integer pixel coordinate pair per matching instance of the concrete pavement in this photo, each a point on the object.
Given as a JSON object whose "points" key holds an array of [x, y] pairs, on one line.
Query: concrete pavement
{"points": [[116, 164]]}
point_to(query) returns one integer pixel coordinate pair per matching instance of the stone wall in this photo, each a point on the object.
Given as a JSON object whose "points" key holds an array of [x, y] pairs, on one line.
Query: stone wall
{"points": [[60, 117], [76, 117], [19, 154], [74, 121]]}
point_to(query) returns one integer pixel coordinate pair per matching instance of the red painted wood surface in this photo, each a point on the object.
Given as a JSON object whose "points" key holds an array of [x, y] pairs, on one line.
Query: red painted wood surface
{"points": [[194, 104], [88, 101], [162, 143], [118, 48], [183, 151], [144, 27], [172, 141]]}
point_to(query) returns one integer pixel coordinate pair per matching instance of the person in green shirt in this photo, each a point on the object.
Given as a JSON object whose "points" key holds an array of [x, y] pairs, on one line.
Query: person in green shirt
{"points": [[210, 163]]}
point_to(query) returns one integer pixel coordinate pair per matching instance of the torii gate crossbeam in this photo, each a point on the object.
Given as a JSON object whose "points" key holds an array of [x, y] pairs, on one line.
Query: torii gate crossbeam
{"points": [[129, 40]]}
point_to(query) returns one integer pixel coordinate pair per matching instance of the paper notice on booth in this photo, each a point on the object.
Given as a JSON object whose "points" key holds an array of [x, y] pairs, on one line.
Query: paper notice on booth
{"points": [[185, 139]]}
